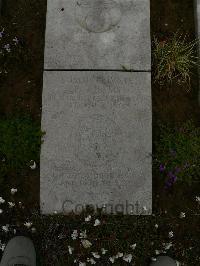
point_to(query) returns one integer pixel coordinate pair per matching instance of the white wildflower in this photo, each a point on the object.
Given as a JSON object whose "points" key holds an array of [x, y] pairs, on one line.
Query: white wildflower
{"points": [[70, 250], [15, 40], [96, 255], [61, 236], [83, 234], [97, 222], [119, 255], [88, 218], [13, 191], [127, 257], [91, 260], [103, 251], [2, 200], [171, 234], [153, 259], [157, 252], [182, 215], [167, 246], [33, 230], [86, 243], [7, 47], [112, 259], [156, 226], [197, 199], [28, 224], [74, 235], [5, 228], [11, 204], [1, 211], [2, 246], [33, 165], [133, 246]]}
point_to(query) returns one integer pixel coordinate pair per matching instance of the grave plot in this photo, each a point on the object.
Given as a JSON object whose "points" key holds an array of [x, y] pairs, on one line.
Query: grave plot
{"points": [[97, 148], [98, 34]]}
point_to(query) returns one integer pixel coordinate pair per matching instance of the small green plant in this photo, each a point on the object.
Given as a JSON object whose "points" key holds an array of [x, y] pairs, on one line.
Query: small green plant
{"points": [[173, 59], [20, 141], [178, 154]]}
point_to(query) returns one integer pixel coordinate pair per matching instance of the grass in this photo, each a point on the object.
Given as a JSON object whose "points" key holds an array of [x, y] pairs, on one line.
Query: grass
{"points": [[177, 153], [174, 59]]}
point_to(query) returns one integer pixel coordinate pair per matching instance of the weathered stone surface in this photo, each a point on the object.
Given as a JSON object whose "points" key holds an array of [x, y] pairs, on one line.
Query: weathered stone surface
{"points": [[98, 34], [97, 148]]}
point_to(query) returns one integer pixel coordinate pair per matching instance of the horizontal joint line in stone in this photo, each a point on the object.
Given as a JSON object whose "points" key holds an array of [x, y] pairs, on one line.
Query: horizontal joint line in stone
{"points": [[100, 70]]}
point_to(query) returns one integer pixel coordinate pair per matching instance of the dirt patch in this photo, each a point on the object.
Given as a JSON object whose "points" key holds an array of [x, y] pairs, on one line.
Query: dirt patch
{"points": [[169, 16], [172, 103], [21, 88]]}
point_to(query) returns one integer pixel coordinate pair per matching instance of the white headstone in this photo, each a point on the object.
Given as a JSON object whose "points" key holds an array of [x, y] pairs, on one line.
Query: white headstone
{"points": [[97, 148]]}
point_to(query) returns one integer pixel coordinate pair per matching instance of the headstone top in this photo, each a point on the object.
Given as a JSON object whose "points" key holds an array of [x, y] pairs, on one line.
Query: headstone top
{"points": [[98, 34]]}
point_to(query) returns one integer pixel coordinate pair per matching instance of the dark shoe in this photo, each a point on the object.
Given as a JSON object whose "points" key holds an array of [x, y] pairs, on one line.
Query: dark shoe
{"points": [[164, 261], [19, 251]]}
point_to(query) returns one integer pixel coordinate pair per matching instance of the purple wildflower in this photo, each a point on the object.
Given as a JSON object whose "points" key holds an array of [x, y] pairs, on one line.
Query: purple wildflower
{"points": [[172, 179], [172, 176], [168, 184], [162, 168]]}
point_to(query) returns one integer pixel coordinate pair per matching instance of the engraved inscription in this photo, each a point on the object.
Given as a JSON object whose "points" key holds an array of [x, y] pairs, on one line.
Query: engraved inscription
{"points": [[97, 140], [97, 15]]}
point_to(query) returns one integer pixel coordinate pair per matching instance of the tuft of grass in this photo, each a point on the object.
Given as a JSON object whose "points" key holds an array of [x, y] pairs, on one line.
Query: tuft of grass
{"points": [[174, 59]]}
